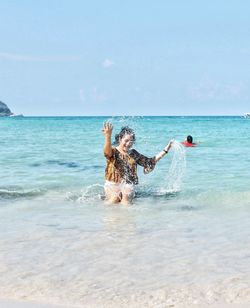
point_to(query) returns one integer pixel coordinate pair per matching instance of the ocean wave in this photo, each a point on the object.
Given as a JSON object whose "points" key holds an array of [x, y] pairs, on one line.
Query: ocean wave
{"points": [[16, 194]]}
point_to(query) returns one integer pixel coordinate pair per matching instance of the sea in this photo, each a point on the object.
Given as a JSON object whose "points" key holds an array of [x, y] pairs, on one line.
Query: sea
{"points": [[183, 242]]}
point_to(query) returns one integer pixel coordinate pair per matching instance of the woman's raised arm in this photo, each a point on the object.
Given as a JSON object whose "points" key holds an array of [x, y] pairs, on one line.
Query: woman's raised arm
{"points": [[107, 131]]}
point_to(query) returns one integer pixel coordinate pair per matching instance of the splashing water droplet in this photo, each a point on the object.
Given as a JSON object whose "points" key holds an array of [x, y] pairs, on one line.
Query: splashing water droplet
{"points": [[177, 168], [93, 192]]}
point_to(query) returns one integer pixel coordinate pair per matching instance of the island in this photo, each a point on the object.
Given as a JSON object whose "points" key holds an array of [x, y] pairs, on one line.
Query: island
{"points": [[6, 112]]}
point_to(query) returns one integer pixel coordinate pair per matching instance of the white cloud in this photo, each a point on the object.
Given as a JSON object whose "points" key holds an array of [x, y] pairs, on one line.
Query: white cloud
{"points": [[107, 63], [25, 58]]}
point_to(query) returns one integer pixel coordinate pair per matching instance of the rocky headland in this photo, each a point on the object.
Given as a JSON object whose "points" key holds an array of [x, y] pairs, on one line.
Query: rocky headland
{"points": [[6, 112]]}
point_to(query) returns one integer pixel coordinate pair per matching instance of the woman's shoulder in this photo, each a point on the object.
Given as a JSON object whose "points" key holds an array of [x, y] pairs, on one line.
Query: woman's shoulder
{"points": [[112, 154]]}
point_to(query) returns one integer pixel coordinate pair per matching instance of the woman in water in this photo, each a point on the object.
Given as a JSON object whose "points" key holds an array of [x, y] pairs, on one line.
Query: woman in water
{"points": [[121, 170]]}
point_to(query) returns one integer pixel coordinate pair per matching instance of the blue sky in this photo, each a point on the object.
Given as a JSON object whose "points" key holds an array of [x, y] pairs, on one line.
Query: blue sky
{"points": [[159, 57]]}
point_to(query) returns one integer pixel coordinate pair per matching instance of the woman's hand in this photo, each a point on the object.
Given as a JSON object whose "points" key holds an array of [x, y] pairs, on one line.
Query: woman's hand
{"points": [[164, 151], [107, 129], [168, 147]]}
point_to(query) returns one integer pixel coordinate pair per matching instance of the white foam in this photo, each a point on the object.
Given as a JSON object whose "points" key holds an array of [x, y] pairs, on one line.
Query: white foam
{"points": [[92, 192]]}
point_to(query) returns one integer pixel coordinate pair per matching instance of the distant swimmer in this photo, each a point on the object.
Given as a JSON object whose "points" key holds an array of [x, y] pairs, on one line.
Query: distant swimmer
{"points": [[189, 142]]}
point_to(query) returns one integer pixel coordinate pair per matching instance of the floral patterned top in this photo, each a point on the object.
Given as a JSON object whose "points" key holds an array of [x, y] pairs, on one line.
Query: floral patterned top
{"points": [[123, 168]]}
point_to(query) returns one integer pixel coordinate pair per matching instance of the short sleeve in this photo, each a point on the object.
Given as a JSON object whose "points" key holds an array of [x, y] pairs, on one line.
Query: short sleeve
{"points": [[112, 155]]}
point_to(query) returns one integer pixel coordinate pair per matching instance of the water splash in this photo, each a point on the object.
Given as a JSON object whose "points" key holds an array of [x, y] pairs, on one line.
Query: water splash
{"points": [[177, 168], [93, 192], [175, 176], [130, 121]]}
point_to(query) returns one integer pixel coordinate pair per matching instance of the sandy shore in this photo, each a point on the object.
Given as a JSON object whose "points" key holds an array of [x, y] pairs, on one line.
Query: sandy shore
{"points": [[6, 303]]}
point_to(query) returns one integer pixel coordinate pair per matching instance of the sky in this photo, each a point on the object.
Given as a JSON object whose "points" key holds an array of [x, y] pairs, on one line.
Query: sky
{"points": [[140, 57]]}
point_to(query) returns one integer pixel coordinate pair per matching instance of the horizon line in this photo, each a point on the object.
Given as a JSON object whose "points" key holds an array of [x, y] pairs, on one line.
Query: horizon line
{"points": [[72, 116]]}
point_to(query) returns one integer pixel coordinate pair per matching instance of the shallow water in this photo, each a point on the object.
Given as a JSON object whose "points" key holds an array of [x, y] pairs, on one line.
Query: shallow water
{"points": [[60, 244]]}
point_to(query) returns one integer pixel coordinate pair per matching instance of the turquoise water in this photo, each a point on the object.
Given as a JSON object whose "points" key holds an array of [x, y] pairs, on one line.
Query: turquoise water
{"points": [[60, 243], [43, 155]]}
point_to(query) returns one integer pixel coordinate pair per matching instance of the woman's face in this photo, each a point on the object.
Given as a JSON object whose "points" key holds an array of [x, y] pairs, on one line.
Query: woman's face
{"points": [[126, 142]]}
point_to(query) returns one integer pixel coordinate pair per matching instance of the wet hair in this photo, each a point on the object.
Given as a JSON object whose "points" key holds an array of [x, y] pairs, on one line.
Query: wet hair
{"points": [[124, 131], [189, 139]]}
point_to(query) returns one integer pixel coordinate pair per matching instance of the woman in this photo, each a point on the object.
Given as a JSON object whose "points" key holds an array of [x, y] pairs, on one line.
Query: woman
{"points": [[121, 170]]}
